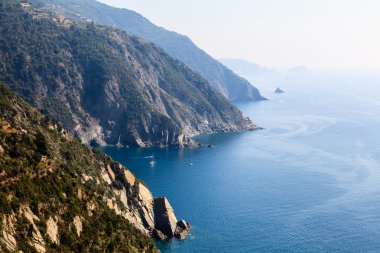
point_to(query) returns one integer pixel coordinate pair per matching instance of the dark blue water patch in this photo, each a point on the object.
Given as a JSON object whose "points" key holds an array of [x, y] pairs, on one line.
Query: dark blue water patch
{"points": [[231, 202]]}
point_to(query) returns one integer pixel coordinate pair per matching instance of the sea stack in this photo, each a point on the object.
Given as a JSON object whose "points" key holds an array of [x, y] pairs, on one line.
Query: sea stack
{"points": [[166, 224]]}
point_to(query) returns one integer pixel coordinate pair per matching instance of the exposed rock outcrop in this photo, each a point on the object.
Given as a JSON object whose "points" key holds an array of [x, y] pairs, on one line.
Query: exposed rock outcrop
{"points": [[128, 176], [146, 210], [8, 235], [36, 240], [77, 222], [52, 230], [165, 219], [154, 216], [182, 229], [157, 234], [146, 203]]}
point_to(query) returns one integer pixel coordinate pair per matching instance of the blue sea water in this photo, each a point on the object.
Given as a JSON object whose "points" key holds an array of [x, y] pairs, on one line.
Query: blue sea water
{"points": [[308, 182]]}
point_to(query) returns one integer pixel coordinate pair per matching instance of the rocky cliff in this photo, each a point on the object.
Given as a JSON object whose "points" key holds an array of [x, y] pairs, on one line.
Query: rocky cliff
{"points": [[176, 45], [107, 86], [57, 195]]}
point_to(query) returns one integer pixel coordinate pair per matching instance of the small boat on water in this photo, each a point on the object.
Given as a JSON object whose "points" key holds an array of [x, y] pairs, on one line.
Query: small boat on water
{"points": [[152, 163], [190, 164]]}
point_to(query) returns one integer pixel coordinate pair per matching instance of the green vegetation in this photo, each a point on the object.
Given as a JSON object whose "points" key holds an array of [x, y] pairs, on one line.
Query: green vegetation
{"points": [[176, 45], [41, 167], [85, 75]]}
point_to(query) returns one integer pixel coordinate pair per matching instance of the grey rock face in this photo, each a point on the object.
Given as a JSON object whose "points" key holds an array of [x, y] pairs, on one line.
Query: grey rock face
{"points": [[165, 219]]}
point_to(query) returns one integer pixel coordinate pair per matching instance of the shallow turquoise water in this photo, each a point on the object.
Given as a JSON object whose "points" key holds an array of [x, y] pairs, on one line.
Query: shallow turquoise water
{"points": [[309, 182]]}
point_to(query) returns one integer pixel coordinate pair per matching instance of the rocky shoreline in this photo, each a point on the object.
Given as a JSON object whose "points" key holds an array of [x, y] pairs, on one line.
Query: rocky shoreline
{"points": [[166, 224]]}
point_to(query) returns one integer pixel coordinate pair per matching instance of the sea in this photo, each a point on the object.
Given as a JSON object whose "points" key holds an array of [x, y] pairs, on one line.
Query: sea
{"points": [[308, 182]]}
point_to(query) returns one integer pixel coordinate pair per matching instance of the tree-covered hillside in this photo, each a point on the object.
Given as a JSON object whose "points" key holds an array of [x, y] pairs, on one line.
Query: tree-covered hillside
{"points": [[178, 46], [107, 86], [53, 196]]}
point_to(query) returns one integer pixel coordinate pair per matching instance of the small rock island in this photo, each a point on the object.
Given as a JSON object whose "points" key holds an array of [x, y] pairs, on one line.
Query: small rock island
{"points": [[279, 91], [166, 224]]}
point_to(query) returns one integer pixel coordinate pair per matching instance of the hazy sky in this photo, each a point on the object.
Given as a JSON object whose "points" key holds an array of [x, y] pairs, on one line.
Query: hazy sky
{"points": [[324, 34]]}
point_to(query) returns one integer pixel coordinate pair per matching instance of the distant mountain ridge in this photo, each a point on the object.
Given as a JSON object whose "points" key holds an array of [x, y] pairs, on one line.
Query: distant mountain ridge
{"points": [[176, 45], [107, 86], [244, 67]]}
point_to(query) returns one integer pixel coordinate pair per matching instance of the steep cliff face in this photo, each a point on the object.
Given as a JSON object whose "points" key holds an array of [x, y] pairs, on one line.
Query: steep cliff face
{"points": [[106, 86], [57, 195], [176, 45]]}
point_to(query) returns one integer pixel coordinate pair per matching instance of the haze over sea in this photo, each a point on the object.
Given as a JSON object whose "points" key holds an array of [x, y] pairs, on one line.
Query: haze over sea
{"points": [[308, 182]]}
